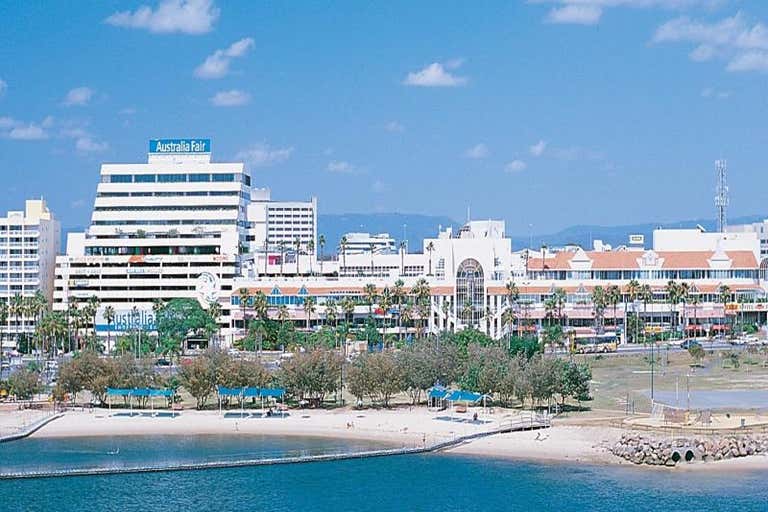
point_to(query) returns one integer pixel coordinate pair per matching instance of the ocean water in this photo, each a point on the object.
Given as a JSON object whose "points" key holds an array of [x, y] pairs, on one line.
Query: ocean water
{"points": [[434, 482]]}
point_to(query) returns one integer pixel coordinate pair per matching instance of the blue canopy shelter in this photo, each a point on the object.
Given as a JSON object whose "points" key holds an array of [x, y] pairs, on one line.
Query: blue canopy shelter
{"points": [[436, 398], [130, 393], [249, 392]]}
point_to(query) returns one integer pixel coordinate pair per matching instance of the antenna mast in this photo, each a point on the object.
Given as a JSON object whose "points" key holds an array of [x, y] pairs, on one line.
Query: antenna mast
{"points": [[721, 195]]}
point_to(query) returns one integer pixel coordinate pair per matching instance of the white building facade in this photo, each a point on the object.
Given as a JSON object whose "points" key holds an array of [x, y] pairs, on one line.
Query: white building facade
{"points": [[174, 227], [30, 239], [469, 274], [279, 231]]}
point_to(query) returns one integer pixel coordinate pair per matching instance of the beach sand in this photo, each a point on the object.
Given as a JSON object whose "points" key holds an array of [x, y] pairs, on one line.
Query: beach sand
{"points": [[566, 441]]}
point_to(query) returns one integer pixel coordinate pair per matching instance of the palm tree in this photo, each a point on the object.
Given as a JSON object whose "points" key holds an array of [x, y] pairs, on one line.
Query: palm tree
{"points": [[245, 297], [214, 310], [430, 249], [646, 296], [446, 308], [513, 295], [633, 290], [348, 308], [684, 290], [343, 247], [489, 314], [508, 318], [559, 298], [599, 302], [694, 301], [310, 252], [724, 294], [406, 315], [321, 243], [423, 294], [613, 297], [261, 305], [93, 308], [3, 320], [16, 310], [332, 314], [109, 317], [73, 320], [297, 245], [281, 247], [673, 297], [309, 308], [398, 294], [466, 313], [369, 291], [385, 302]]}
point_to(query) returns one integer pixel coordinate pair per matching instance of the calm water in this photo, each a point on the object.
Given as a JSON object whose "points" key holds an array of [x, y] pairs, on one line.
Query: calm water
{"points": [[428, 482]]}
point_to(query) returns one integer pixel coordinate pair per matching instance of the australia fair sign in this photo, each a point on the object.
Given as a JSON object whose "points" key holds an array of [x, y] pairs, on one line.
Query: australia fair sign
{"points": [[176, 146], [127, 320]]}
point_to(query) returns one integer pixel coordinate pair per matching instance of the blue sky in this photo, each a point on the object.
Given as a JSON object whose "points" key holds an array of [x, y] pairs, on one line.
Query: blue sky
{"points": [[543, 112]]}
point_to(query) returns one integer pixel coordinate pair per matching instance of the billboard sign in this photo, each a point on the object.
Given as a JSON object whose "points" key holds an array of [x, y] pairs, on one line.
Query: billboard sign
{"points": [[636, 239], [179, 146], [127, 320]]}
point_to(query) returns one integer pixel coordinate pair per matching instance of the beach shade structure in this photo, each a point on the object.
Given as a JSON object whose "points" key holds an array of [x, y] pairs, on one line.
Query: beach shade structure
{"points": [[436, 398], [249, 392], [130, 393], [462, 397]]}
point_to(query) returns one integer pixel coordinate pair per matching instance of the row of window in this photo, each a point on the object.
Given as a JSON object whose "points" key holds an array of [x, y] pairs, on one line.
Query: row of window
{"points": [[616, 275], [176, 194], [152, 250], [176, 178], [190, 222], [164, 208]]}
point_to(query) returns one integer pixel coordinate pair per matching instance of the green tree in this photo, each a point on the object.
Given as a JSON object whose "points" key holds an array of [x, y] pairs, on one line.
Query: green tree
{"points": [[25, 383], [180, 319], [311, 375]]}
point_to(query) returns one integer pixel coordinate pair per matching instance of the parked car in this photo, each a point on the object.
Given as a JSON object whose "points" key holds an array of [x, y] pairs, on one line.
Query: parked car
{"points": [[163, 362]]}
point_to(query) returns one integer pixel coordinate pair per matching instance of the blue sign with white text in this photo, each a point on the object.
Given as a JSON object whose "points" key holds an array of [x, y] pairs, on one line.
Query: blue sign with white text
{"points": [[179, 146]]}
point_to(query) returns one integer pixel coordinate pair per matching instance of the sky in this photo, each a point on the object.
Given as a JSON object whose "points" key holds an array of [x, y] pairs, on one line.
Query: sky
{"points": [[544, 113]]}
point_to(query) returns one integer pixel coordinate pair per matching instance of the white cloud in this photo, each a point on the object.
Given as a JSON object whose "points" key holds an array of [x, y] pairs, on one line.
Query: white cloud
{"points": [[77, 203], [217, 64], [340, 167], [128, 111], [434, 75], [590, 12], [87, 145], [184, 16], [262, 155], [538, 148], [743, 44], [477, 152], [29, 131], [231, 98], [3, 86], [515, 166], [749, 61], [78, 97], [395, 127], [576, 14], [11, 128]]}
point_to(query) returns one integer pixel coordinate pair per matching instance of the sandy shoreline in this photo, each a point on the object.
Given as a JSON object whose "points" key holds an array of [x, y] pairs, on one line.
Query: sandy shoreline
{"points": [[563, 443]]}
